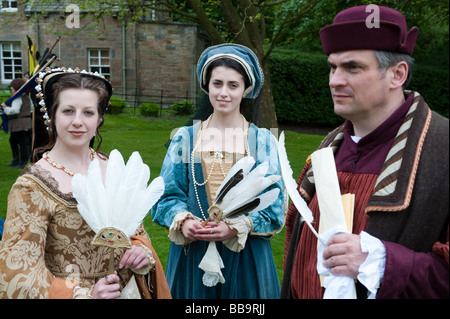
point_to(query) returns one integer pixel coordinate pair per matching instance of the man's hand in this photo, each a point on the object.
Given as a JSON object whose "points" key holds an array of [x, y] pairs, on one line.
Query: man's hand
{"points": [[344, 255]]}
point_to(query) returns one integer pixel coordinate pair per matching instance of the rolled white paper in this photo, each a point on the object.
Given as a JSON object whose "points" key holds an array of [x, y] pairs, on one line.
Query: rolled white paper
{"points": [[328, 192]]}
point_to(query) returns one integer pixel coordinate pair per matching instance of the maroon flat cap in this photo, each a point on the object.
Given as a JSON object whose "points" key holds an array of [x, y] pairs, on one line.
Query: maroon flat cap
{"points": [[368, 27]]}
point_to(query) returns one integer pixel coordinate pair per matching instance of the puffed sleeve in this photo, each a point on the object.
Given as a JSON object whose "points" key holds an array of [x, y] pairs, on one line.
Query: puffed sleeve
{"points": [[175, 174], [269, 221], [23, 272]]}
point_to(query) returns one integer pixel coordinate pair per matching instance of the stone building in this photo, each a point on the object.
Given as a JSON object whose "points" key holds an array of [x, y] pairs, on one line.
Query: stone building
{"points": [[145, 61]]}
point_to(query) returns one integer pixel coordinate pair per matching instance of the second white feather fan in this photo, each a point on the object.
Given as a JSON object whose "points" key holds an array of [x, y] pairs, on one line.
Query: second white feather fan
{"points": [[242, 192], [116, 206]]}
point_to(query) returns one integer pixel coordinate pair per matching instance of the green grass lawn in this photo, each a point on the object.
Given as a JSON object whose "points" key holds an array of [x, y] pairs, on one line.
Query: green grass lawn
{"points": [[128, 133]]}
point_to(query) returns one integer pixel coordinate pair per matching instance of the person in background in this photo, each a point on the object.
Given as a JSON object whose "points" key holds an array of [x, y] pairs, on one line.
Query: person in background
{"points": [[19, 124], [392, 154]]}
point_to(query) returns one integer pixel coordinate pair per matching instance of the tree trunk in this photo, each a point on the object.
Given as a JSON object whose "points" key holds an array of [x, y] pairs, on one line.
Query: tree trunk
{"points": [[264, 115]]}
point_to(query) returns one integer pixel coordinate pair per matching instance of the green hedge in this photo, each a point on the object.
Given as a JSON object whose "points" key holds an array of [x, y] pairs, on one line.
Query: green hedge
{"points": [[4, 95], [117, 105], [302, 96], [149, 109], [183, 107], [432, 83], [300, 88]]}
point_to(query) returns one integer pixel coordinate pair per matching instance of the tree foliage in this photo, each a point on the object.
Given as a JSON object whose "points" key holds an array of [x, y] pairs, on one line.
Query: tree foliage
{"points": [[263, 25], [241, 21]]}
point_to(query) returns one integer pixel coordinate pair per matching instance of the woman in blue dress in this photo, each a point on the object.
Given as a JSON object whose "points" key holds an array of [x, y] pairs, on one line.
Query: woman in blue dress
{"points": [[197, 161]]}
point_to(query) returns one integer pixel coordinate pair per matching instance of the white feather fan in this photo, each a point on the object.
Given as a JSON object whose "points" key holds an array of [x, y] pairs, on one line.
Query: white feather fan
{"points": [[117, 205], [241, 192]]}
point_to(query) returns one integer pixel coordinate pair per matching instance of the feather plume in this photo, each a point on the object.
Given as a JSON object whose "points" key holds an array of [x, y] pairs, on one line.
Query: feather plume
{"points": [[122, 200], [144, 200], [255, 205], [252, 184], [233, 181], [246, 188], [242, 192], [291, 186], [234, 176], [88, 196]]}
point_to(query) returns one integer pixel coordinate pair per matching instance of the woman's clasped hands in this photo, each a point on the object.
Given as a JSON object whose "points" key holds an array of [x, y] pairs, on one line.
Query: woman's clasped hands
{"points": [[194, 230]]}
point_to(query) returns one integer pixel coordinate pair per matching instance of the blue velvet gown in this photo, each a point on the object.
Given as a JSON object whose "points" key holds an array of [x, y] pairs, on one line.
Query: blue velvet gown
{"points": [[250, 273]]}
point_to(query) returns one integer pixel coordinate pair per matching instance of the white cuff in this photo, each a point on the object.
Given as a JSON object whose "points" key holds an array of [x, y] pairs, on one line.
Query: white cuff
{"points": [[336, 287], [151, 259], [243, 227], [175, 233], [372, 269]]}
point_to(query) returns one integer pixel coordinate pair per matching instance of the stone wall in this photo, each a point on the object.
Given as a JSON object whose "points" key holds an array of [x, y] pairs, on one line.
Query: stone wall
{"points": [[149, 61]]}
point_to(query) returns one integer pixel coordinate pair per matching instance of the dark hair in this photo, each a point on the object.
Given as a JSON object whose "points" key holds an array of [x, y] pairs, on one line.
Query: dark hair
{"points": [[16, 84], [75, 81], [246, 104], [229, 63]]}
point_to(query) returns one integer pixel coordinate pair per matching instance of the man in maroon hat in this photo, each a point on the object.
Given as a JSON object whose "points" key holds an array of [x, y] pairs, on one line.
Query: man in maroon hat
{"points": [[392, 155]]}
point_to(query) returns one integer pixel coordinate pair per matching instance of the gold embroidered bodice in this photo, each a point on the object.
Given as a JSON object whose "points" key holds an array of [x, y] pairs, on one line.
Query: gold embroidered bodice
{"points": [[217, 176]]}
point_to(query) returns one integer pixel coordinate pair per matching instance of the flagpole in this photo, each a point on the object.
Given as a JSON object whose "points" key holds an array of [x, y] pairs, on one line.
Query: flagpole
{"points": [[39, 67], [51, 49]]}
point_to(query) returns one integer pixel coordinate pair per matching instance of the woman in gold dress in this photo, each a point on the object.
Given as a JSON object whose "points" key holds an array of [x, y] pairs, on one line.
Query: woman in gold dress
{"points": [[46, 250]]}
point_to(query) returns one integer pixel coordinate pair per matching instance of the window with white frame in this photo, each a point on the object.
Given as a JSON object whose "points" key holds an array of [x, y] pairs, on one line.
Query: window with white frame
{"points": [[99, 60], [11, 61], [8, 5]]}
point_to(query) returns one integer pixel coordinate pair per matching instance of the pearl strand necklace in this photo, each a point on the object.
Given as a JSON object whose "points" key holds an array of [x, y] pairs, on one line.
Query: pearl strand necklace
{"points": [[60, 167], [217, 154]]}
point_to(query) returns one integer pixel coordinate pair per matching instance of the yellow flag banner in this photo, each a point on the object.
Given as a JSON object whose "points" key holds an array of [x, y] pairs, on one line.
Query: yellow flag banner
{"points": [[33, 57]]}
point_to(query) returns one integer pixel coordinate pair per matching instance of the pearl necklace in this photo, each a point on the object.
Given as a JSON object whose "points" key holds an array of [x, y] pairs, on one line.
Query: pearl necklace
{"points": [[217, 154], [60, 167]]}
